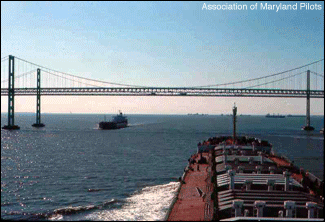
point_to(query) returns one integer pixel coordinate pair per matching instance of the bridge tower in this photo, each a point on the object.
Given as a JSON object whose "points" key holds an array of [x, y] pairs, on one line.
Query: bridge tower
{"points": [[38, 101], [308, 127], [234, 111], [11, 96]]}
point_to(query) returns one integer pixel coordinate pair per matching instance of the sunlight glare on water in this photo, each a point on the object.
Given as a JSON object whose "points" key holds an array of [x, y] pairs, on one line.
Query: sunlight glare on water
{"points": [[150, 204], [70, 170]]}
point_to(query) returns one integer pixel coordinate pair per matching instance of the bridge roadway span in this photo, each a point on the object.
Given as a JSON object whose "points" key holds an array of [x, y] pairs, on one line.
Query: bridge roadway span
{"points": [[166, 91]]}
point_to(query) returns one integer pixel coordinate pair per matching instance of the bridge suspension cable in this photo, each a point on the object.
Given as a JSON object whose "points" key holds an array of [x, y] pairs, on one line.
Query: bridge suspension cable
{"points": [[317, 74], [21, 75], [278, 80], [84, 78], [263, 77], [100, 84], [88, 84], [5, 57]]}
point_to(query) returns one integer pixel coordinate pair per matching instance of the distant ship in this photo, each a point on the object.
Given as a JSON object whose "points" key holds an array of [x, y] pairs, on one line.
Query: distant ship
{"points": [[274, 116], [196, 114], [296, 115], [119, 121]]}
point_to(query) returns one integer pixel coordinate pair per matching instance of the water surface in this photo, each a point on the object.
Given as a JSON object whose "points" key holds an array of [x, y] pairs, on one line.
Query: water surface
{"points": [[70, 170]]}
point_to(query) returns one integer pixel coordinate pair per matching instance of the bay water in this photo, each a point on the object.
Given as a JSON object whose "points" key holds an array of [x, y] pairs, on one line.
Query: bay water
{"points": [[71, 170]]}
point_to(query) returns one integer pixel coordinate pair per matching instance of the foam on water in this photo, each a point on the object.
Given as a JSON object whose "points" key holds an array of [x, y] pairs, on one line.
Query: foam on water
{"points": [[151, 203], [72, 213]]}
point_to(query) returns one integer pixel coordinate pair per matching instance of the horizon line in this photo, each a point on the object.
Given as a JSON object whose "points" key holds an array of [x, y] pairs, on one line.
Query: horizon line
{"points": [[191, 114]]}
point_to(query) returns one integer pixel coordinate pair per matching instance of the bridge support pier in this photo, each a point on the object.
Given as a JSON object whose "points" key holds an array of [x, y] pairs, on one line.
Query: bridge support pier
{"points": [[11, 96], [308, 127], [38, 101]]}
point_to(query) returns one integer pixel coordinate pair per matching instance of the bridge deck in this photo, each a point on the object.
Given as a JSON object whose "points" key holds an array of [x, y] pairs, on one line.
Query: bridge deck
{"points": [[165, 91]]}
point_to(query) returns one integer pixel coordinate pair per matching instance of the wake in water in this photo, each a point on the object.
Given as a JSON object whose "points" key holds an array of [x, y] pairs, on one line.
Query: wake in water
{"points": [[142, 124], [151, 203], [65, 213], [58, 213]]}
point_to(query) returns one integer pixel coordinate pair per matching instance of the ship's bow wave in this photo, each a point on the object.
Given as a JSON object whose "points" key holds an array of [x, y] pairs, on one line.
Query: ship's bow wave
{"points": [[150, 203]]}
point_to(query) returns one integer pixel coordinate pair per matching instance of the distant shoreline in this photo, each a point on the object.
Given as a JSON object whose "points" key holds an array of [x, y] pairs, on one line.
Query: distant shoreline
{"points": [[171, 114]]}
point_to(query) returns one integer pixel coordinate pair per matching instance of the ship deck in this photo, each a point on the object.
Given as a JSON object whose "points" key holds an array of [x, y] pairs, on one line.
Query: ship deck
{"points": [[251, 182], [194, 198]]}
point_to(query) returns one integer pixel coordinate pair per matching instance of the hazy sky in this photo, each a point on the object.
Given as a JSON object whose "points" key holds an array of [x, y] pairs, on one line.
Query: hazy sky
{"points": [[163, 44]]}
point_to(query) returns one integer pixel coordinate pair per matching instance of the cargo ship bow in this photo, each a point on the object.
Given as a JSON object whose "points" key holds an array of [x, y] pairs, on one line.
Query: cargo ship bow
{"points": [[234, 178]]}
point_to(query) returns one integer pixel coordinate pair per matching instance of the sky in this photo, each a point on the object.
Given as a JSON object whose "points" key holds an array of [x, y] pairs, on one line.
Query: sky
{"points": [[163, 44]]}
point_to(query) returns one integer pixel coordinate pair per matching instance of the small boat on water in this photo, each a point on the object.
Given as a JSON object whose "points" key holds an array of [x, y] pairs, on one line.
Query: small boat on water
{"points": [[119, 121]]}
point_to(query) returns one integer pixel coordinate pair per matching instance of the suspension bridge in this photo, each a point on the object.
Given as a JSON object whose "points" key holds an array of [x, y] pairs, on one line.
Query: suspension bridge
{"points": [[20, 77]]}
